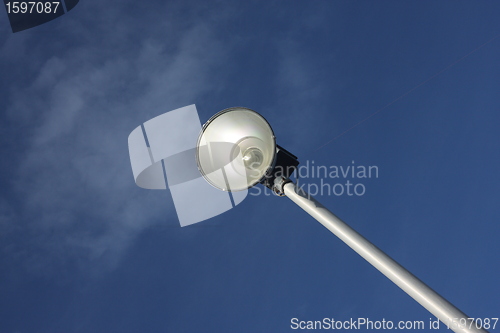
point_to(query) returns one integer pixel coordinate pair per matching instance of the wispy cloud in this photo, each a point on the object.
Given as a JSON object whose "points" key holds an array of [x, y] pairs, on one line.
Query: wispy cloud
{"points": [[73, 198]]}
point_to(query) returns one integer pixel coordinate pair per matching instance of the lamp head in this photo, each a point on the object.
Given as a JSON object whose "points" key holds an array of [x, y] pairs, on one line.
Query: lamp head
{"points": [[236, 149]]}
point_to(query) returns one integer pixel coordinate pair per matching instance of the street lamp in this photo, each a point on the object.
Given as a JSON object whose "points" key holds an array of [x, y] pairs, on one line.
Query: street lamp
{"points": [[237, 150]]}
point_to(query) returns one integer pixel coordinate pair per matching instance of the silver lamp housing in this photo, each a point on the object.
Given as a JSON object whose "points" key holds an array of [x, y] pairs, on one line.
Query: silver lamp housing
{"points": [[236, 149]]}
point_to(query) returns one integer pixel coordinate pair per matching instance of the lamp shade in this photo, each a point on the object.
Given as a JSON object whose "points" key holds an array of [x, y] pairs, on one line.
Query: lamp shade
{"points": [[236, 149]]}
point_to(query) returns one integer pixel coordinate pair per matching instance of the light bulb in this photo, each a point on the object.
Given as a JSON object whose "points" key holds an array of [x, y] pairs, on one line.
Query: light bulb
{"points": [[253, 158]]}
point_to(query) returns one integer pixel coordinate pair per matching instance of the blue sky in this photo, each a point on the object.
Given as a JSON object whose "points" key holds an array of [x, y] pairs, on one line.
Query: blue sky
{"points": [[83, 249]]}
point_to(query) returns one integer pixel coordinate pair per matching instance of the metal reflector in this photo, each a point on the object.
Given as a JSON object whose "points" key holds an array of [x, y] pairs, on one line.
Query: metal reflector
{"points": [[236, 149]]}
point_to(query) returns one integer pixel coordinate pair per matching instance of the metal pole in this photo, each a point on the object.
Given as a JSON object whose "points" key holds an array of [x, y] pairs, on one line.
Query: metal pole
{"points": [[423, 294]]}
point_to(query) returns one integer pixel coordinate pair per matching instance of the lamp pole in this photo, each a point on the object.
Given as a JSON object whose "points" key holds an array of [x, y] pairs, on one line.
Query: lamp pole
{"points": [[423, 294]]}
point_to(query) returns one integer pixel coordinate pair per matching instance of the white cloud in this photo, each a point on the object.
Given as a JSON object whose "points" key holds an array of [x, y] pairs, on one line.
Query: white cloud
{"points": [[77, 201]]}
